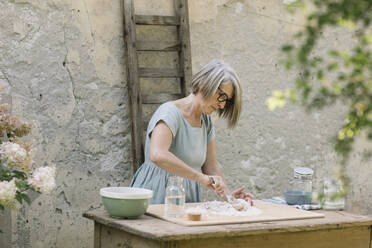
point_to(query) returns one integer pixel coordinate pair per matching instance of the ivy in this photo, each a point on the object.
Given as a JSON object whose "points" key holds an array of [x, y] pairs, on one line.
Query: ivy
{"points": [[349, 69]]}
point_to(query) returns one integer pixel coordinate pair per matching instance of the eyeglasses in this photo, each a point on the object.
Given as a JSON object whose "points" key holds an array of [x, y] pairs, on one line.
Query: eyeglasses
{"points": [[223, 97]]}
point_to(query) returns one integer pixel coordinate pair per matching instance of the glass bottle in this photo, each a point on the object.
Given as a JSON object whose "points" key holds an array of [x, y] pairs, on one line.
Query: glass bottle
{"points": [[303, 180], [334, 198], [174, 197]]}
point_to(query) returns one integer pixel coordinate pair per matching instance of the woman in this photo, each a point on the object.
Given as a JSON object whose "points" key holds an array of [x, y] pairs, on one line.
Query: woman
{"points": [[180, 136]]}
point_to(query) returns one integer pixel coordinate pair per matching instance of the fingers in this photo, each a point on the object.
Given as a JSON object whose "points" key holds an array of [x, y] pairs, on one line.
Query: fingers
{"points": [[250, 196], [215, 181], [206, 181], [238, 191], [240, 194], [218, 185], [210, 182], [219, 190]]}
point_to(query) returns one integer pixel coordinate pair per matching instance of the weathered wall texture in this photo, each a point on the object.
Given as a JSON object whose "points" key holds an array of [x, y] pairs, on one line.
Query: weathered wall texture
{"points": [[62, 65]]}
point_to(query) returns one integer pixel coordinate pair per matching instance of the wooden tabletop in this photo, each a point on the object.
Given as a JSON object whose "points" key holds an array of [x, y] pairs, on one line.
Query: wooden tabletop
{"points": [[157, 229], [268, 212]]}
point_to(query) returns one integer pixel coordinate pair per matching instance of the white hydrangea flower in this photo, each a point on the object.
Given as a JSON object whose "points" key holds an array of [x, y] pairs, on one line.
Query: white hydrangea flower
{"points": [[12, 153], [7, 193], [43, 179]]}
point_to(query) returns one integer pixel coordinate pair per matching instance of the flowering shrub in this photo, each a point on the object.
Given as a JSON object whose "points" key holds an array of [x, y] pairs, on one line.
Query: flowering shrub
{"points": [[18, 172]]}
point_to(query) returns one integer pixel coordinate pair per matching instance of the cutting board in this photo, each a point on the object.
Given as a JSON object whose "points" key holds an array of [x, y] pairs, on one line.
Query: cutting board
{"points": [[270, 212]]}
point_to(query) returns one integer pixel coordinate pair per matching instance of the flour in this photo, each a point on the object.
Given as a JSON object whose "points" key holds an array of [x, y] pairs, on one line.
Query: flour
{"points": [[223, 209]]}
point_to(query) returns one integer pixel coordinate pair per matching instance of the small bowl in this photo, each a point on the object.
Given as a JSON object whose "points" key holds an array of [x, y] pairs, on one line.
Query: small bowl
{"points": [[125, 202], [194, 217], [296, 197]]}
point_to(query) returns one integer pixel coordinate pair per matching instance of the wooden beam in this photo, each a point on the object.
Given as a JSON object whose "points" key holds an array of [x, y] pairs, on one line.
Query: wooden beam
{"points": [[135, 103], [158, 46], [159, 98], [160, 72], [182, 11], [157, 20]]}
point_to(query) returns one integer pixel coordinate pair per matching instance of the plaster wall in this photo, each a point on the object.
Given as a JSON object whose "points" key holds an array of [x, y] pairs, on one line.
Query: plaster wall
{"points": [[62, 66]]}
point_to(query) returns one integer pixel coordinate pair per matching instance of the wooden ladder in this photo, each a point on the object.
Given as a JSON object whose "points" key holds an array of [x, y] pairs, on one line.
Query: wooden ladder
{"points": [[182, 71]]}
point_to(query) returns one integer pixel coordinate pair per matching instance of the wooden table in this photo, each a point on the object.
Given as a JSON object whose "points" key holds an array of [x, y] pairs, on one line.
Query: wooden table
{"points": [[337, 229]]}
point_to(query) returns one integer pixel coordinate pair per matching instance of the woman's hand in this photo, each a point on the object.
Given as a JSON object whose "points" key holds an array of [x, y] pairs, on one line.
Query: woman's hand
{"points": [[219, 185], [240, 194], [204, 180], [214, 183]]}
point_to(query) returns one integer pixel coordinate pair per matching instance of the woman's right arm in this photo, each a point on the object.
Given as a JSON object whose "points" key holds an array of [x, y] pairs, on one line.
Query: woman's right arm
{"points": [[159, 154]]}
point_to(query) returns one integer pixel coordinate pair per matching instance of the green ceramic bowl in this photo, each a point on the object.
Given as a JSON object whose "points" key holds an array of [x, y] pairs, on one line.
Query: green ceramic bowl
{"points": [[125, 202]]}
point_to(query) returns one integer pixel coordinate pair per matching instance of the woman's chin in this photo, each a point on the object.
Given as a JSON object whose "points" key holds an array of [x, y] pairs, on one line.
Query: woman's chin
{"points": [[209, 110]]}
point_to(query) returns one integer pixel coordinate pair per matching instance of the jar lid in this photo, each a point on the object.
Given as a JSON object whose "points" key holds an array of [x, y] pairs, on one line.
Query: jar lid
{"points": [[303, 171]]}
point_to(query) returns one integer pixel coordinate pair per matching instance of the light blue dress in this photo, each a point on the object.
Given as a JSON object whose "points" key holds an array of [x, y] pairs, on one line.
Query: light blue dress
{"points": [[189, 144]]}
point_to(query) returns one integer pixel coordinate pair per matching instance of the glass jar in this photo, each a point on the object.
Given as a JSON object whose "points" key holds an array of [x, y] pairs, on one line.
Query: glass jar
{"points": [[175, 197], [334, 197], [303, 179]]}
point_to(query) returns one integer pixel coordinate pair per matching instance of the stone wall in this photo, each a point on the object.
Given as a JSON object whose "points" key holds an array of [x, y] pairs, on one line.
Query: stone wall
{"points": [[62, 63], [62, 66]]}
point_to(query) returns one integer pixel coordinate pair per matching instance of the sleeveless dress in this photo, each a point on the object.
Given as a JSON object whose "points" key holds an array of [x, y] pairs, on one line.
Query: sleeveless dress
{"points": [[188, 144]]}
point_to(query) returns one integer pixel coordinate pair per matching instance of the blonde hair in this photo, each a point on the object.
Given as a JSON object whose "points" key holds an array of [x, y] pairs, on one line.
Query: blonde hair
{"points": [[207, 81]]}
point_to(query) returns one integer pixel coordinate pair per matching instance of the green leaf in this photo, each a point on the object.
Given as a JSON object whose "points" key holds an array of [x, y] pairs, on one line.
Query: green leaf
{"points": [[19, 197], [289, 64], [369, 136], [299, 35], [367, 39], [320, 75], [334, 53], [336, 89], [348, 24], [19, 174], [22, 185], [315, 61], [287, 48], [301, 83], [26, 198], [332, 66], [349, 133]]}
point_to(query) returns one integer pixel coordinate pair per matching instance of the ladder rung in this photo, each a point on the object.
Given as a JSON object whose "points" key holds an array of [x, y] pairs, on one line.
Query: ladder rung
{"points": [[157, 20], [158, 45], [159, 98], [160, 72]]}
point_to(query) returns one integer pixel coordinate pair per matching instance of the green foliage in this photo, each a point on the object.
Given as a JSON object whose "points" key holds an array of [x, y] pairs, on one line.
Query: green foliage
{"points": [[340, 76], [21, 196], [23, 186], [16, 170], [343, 76]]}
